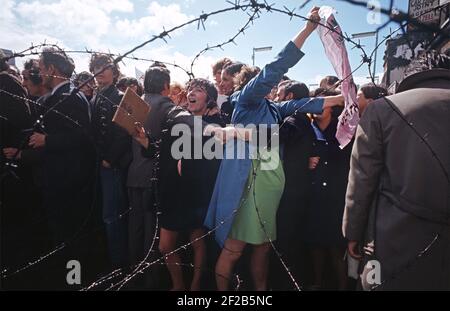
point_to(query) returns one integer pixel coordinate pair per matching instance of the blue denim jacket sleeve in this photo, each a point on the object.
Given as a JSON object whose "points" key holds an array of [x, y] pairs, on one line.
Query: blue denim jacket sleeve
{"points": [[304, 105], [270, 76]]}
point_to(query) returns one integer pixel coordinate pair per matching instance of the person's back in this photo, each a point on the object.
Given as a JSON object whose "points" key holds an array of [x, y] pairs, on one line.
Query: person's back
{"points": [[425, 110], [399, 182], [414, 184]]}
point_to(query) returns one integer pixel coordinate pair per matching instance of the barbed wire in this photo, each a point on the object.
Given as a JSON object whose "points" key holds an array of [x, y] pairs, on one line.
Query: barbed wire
{"points": [[201, 19], [256, 8], [253, 5], [242, 30], [121, 283], [34, 51]]}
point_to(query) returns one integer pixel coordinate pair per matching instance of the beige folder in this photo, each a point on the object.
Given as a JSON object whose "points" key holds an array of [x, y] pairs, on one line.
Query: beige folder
{"points": [[131, 109]]}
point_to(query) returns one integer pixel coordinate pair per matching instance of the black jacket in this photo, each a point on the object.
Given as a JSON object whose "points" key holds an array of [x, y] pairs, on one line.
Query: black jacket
{"points": [[226, 111], [68, 152], [163, 117], [140, 171], [113, 143], [14, 111]]}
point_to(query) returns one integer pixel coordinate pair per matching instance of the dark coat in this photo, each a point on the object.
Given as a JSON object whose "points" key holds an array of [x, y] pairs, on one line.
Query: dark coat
{"points": [[68, 161], [164, 115], [327, 195], [14, 112], [401, 187], [166, 181], [17, 209], [113, 142], [226, 111], [198, 177], [140, 172], [297, 139]]}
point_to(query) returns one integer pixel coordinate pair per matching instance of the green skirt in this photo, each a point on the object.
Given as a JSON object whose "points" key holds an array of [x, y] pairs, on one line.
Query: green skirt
{"points": [[266, 192]]}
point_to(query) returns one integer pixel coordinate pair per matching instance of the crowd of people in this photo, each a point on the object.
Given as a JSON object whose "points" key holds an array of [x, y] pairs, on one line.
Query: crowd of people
{"points": [[78, 185]]}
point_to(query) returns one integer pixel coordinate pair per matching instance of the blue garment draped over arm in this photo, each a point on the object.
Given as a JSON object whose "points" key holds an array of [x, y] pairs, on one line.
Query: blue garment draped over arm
{"points": [[304, 105]]}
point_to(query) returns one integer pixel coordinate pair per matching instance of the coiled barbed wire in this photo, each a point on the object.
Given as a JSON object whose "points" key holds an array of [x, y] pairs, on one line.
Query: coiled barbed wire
{"points": [[256, 8]]}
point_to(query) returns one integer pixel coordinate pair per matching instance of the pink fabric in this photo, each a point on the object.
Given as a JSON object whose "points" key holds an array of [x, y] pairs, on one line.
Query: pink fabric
{"points": [[336, 52]]}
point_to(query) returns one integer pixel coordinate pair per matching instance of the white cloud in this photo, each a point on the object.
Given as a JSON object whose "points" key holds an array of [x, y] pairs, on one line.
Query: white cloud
{"points": [[14, 35], [159, 16], [74, 24], [113, 5], [6, 14], [77, 21]]}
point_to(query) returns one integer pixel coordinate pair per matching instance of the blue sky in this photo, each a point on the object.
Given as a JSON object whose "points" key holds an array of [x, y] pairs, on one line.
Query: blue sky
{"points": [[118, 25]]}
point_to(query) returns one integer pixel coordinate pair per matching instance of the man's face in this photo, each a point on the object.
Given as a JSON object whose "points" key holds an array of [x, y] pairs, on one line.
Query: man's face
{"points": [[47, 74], [105, 78], [122, 88], [226, 83], [88, 89], [197, 100], [281, 94]]}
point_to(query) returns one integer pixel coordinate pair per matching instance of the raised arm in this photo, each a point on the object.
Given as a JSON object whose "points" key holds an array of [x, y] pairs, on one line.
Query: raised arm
{"points": [[272, 73], [308, 29]]}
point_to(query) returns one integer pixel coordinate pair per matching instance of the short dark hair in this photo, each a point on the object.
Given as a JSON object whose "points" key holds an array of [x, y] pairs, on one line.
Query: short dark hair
{"points": [[158, 64], [133, 81], [81, 78], [233, 68], [323, 92], [207, 85], [32, 66], [373, 91], [156, 78], [101, 60], [59, 59], [122, 82], [330, 80], [299, 90]]}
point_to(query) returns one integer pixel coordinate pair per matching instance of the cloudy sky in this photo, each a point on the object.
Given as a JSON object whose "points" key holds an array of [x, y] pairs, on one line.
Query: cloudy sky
{"points": [[118, 25]]}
